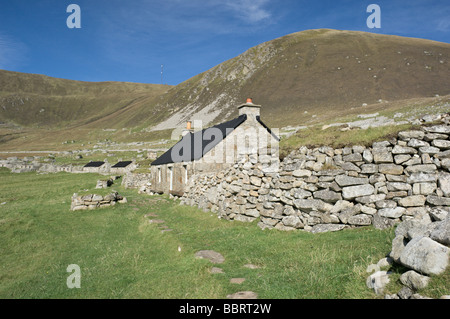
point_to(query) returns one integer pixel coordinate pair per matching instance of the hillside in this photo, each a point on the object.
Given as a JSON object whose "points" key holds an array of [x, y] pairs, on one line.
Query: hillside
{"points": [[313, 75], [39, 100]]}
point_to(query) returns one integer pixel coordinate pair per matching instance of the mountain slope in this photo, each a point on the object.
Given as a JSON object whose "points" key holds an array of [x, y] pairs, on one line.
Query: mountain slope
{"points": [[311, 74], [39, 100]]}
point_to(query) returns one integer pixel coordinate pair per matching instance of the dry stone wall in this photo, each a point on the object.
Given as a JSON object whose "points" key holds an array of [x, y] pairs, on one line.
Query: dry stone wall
{"points": [[325, 189], [93, 201]]}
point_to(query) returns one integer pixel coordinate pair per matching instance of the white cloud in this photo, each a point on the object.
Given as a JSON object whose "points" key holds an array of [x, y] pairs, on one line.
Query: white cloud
{"points": [[12, 52], [252, 11]]}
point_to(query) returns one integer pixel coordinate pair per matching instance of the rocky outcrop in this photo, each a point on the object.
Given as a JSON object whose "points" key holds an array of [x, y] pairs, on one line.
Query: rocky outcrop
{"points": [[325, 189]]}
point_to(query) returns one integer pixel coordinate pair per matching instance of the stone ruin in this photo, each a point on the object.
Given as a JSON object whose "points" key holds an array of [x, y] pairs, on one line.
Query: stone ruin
{"points": [[93, 201]]}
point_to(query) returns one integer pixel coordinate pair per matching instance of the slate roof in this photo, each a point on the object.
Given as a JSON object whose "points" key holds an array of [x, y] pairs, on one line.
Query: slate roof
{"points": [[188, 142], [94, 164], [122, 164]]}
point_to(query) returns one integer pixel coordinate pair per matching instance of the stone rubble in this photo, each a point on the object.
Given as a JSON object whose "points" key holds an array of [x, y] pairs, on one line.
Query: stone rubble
{"points": [[93, 201]]}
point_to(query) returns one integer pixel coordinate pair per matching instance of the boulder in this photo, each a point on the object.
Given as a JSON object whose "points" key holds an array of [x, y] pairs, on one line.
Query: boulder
{"points": [[398, 245], [425, 255], [414, 280], [441, 232]]}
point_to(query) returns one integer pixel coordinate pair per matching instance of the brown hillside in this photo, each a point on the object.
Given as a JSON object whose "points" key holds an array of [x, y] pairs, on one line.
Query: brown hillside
{"points": [[323, 72]]}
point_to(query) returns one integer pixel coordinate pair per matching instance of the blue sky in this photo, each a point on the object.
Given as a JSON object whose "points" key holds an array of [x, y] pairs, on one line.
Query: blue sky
{"points": [[129, 40]]}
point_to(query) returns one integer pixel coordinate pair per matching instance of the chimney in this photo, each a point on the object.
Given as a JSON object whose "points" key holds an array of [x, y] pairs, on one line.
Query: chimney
{"points": [[250, 109], [188, 129]]}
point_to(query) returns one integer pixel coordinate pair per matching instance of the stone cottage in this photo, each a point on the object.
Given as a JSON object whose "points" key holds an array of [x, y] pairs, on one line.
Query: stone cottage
{"points": [[201, 151]]}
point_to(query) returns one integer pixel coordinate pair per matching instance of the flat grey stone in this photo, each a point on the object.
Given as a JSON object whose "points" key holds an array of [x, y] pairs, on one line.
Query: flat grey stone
{"points": [[243, 295], [211, 255]]}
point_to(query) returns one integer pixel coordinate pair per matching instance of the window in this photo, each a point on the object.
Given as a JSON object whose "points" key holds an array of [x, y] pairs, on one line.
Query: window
{"points": [[185, 174], [170, 178], [159, 174]]}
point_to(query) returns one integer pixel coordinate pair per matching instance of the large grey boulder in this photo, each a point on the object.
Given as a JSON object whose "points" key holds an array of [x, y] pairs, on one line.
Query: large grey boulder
{"points": [[414, 280], [441, 232], [425, 256], [398, 245]]}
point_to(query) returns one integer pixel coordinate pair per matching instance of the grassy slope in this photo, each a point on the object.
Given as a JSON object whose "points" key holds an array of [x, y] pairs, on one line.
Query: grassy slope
{"points": [[38, 100]]}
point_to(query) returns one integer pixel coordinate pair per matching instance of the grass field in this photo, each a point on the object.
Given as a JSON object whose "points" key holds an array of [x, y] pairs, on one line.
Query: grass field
{"points": [[122, 255]]}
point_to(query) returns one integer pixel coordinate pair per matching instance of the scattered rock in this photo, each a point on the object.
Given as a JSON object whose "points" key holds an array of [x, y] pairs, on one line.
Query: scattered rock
{"points": [[243, 295], [425, 255], [211, 255], [216, 270], [237, 280]]}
